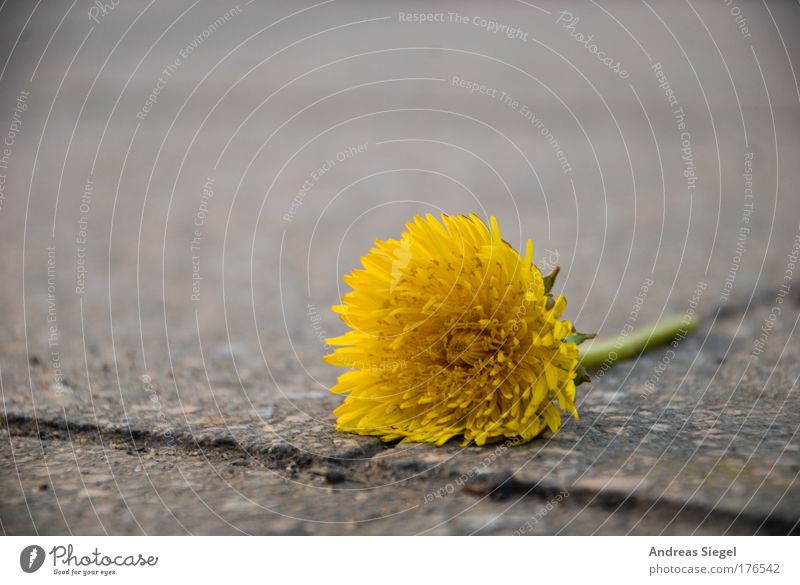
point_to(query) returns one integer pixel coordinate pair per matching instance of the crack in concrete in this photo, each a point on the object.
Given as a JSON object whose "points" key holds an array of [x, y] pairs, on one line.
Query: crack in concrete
{"points": [[359, 465]]}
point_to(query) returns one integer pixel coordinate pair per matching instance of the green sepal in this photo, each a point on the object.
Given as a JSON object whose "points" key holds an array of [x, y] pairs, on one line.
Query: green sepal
{"points": [[577, 338], [581, 376], [550, 279]]}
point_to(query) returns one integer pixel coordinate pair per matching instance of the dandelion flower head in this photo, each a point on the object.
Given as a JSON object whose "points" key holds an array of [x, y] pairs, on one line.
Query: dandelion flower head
{"points": [[453, 334]]}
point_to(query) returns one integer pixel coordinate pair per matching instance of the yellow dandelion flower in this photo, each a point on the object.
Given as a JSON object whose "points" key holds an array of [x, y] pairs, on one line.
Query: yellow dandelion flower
{"points": [[452, 333]]}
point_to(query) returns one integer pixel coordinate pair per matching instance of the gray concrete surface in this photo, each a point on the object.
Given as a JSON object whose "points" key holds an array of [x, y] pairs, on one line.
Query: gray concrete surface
{"points": [[139, 398]]}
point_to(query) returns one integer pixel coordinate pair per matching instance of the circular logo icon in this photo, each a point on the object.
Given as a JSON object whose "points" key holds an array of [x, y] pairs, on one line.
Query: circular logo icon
{"points": [[31, 558]]}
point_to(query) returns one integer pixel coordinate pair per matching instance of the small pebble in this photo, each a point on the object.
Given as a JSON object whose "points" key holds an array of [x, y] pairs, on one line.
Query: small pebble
{"points": [[334, 477]]}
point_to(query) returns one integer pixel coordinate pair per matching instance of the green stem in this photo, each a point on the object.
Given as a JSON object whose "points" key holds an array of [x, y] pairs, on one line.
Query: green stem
{"points": [[606, 352]]}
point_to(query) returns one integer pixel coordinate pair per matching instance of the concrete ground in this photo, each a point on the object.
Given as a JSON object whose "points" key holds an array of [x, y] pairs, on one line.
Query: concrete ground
{"points": [[183, 186]]}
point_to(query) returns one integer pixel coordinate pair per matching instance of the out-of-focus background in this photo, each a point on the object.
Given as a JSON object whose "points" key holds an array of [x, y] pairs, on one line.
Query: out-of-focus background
{"points": [[183, 184]]}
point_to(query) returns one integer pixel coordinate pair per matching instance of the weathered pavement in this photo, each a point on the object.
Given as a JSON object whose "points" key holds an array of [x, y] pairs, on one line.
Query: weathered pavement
{"points": [[176, 386], [695, 457]]}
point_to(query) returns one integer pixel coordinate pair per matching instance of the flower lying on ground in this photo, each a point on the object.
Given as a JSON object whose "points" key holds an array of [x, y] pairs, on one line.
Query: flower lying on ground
{"points": [[452, 333]]}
